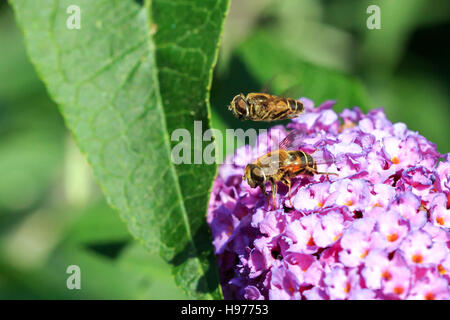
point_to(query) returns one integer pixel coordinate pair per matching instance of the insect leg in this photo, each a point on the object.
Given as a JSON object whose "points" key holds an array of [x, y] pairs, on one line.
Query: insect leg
{"points": [[274, 192], [287, 182]]}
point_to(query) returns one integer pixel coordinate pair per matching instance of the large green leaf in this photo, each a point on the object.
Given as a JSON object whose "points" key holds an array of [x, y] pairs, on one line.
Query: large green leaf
{"points": [[122, 90]]}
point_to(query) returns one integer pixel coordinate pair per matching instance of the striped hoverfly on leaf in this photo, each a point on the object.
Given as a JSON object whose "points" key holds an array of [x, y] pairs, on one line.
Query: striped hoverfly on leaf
{"points": [[265, 107], [284, 164]]}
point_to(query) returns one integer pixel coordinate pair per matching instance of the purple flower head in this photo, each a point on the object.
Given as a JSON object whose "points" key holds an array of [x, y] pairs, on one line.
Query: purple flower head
{"points": [[380, 229]]}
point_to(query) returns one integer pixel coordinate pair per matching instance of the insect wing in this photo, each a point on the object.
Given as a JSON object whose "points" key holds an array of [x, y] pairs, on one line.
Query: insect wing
{"points": [[268, 101], [293, 141], [259, 98], [325, 157], [271, 162]]}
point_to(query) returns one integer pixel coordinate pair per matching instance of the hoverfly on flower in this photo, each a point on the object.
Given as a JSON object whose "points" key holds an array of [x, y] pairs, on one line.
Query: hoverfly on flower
{"points": [[284, 164]]}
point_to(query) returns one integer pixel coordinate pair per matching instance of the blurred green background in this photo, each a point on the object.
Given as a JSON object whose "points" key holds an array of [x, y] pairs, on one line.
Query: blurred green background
{"points": [[53, 215]]}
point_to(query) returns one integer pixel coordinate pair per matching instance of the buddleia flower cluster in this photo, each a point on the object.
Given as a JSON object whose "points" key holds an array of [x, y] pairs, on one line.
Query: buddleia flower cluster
{"points": [[378, 230]]}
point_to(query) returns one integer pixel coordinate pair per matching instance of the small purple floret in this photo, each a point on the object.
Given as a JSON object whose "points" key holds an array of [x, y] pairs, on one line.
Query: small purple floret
{"points": [[379, 230]]}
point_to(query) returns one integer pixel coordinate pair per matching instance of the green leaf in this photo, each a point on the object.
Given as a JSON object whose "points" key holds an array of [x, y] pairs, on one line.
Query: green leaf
{"points": [[417, 90], [122, 91], [384, 48], [155, 277], [28, 165], [98, 224], [101, 278], [32, 135], [18, 78]]}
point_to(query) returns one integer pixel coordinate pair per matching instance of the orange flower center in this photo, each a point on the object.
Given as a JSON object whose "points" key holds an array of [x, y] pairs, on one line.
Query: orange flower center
{"points": [[441, 269], [440, 220], [377, 205], [349, 203], [346, 125], [311, 242], [337, 237], [364, 254], [392, 237], [398, 290], [429, 296], [386, 275], [347, 287], [320, 204], [395, 160], [417, 258]]}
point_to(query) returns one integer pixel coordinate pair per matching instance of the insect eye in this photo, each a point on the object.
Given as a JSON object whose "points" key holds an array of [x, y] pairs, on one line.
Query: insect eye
{"points": [[257, 174], [241, 106]]}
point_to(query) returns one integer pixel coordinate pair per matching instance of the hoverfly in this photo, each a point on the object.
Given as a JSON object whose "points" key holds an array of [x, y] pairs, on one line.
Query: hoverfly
{"points": [[284, 164], [265, 107]]}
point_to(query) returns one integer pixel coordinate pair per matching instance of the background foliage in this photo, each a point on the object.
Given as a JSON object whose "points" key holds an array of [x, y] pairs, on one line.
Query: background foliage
{"points": [[52, 213]]}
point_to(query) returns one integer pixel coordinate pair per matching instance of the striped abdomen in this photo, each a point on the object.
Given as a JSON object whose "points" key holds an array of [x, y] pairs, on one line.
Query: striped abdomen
{"points": [[266, 107], [299, 162]]}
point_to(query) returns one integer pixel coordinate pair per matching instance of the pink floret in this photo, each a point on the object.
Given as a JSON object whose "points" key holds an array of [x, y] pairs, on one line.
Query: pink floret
{"points": [[378, 230]]}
